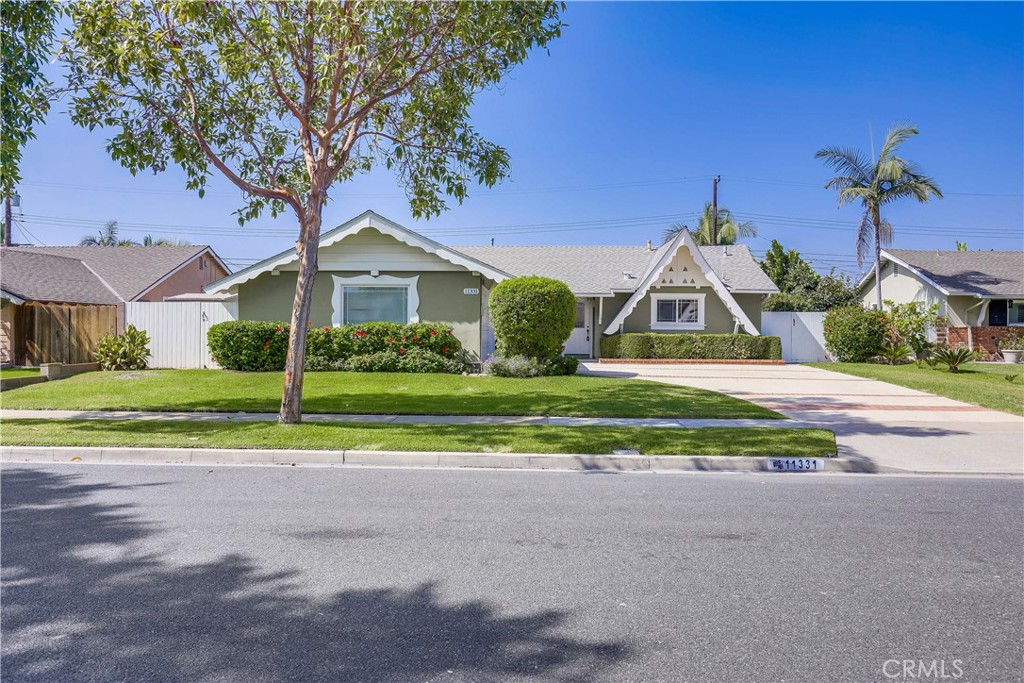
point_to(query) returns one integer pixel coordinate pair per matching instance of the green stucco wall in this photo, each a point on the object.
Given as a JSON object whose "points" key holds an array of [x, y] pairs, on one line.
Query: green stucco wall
{"points": [[717, 318], [269, 297]]}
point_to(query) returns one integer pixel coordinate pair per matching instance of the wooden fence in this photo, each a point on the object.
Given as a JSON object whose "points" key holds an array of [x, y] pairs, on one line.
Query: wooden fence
{"points": [[60, 334]]}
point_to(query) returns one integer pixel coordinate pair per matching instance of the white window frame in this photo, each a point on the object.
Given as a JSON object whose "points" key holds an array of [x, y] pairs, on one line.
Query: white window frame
{"points": [[1013, 305], [656, 325], [410, 283]]}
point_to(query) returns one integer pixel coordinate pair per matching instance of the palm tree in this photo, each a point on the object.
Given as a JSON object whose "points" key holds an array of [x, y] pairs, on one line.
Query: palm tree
{"points": [[150, 241], [875, 183], [730, 230], [107, 237]]}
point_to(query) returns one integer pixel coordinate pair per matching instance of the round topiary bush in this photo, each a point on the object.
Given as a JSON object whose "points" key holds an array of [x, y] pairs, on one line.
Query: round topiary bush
{"points": [[532, 316], [854, 334]]}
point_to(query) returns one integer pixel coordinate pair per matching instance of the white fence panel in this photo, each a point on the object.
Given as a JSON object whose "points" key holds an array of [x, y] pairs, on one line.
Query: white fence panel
{"points": [[177, 329], [802, 334]]}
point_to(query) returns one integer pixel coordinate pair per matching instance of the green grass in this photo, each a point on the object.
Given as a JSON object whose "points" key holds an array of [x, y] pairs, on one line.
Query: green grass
{"points": [[765, 441], [11, 373], [381, 393], [983, 384]]}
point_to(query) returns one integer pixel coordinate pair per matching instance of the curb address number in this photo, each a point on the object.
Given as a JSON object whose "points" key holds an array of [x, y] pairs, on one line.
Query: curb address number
{"points": [[796, 464]]}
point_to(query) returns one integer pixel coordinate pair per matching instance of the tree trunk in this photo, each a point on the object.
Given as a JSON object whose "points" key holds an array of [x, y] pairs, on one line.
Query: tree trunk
{"points": [[307, 247], [877, 220]]}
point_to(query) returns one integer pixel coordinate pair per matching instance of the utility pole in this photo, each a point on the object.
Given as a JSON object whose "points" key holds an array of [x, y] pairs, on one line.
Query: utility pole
{"points": [[714, 209], [7, 221]]}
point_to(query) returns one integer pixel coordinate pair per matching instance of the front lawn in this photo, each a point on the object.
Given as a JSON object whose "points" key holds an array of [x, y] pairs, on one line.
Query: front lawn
{"points": [[982, 384], [756, 441], [11, 373], [381, 393]]}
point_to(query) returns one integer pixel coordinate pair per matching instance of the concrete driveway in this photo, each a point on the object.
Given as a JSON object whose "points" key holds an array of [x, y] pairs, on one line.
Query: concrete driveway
{"points": [[888, 425]]}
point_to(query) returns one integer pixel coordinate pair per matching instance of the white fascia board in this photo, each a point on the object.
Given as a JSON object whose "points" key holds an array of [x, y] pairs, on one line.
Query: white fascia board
{"points": [[916, 272], [367, 219], [13, 298], [683, 239], [206, 251]]}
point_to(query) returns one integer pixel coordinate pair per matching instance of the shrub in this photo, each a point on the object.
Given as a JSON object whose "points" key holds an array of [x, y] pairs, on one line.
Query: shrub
{"points": [[421, 360], [561, 365], [786, 302], [895, 354], [691, 346], [908, 324], [953, 358], [381, 361], [513, 366], [532, 316], [255, 346], [854, 334], [128, 351]]}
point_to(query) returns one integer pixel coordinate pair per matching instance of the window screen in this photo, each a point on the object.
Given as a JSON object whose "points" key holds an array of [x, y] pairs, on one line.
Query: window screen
{"points": [[677, 311], [371, 304]]}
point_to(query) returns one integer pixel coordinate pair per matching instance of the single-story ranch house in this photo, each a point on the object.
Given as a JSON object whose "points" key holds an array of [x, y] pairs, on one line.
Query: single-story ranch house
{"points": [[981, 293], [371, 268]]}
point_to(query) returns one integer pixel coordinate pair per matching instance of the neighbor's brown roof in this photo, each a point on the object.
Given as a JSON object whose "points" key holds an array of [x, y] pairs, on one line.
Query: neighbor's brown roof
{"points": [[129, 271], [998, 274], [36, 276]]}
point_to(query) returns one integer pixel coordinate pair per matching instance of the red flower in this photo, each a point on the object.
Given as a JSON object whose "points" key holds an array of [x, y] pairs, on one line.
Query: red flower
{"points": [[280, 329], [444, 350], [390, 340], [327, 329], [415, 336], [403, 338], [433, 332], [401, 351]]}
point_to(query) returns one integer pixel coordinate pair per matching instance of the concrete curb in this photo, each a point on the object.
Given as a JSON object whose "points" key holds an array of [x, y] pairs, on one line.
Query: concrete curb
{"points": [[521, 461]]}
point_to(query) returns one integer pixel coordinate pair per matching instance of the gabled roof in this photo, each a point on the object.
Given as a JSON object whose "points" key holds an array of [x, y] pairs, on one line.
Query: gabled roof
{"points": [[30, 275], [128, 271], [600, 270], [663, 256], [367, 219], [982, 274]]}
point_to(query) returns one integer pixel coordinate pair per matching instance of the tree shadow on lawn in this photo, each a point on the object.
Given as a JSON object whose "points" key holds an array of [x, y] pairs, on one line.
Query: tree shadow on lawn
{"points": [[80, 604]]}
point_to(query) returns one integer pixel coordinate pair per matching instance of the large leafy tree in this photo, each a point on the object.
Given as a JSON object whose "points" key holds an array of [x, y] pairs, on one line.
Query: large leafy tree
{"points": [[875, 183], [730, 230], [788, 270], [285, 99], [26, 43]]}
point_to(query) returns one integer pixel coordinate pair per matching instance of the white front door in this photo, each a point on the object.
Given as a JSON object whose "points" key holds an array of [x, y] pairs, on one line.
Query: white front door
{"points": [[579, 343]]}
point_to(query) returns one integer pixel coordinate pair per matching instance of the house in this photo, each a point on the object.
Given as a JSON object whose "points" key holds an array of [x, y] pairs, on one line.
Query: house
{"points": [[371, 268], [56, 302], [981, 293]]}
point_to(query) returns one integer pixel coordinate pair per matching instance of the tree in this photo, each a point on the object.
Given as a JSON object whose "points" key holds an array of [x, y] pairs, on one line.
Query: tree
{"points": [[788, 270], [875, 183], [150, 241], [26, 41], [961, 246], [730, 230], [107, 237], [285, 99]]}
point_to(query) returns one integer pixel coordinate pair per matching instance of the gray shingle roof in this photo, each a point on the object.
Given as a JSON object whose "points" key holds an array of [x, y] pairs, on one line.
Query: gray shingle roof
{"points": [[129, 271], [36, 276], [599, 269], [997, 274]]}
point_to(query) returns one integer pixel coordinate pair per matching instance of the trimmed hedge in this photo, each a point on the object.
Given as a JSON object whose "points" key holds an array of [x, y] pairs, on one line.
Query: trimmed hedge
{"points": [[532, 316], [643, 345], [260, 346]]}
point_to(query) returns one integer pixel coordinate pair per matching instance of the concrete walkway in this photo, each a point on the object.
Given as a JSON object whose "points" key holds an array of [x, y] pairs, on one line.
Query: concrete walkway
{"points": [[883, 424], [395, 419]]}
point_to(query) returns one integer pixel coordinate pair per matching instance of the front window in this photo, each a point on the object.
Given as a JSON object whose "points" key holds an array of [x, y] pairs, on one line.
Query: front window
{"points": [[371, 304], [676, 311], [1015, 313]]}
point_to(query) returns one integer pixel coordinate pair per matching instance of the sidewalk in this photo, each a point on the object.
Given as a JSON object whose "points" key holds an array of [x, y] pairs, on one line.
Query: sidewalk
{"points": [[396, 419]]}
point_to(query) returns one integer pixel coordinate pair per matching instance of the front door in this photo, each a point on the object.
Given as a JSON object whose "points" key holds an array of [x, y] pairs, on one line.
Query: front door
{"points": [[579, 343]]}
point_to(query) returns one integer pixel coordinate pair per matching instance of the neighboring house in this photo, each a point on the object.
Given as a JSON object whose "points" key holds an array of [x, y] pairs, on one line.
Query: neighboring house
{"points": [[981, 293], [371, 268], [58, 301]]}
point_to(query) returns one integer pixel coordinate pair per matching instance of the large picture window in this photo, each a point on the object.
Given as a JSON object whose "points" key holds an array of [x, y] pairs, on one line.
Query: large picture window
{"points": [[371, 304], [369, 298], [677, 311]]}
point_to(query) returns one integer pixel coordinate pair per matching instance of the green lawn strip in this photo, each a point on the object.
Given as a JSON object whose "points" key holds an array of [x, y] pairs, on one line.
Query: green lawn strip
{"points": [[381, 393], [982, 384], [765, 441], [11, 373]]}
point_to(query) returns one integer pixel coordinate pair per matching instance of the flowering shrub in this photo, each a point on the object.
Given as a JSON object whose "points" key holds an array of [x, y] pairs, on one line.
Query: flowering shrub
{"points": [[256, 346], [854, 334]]}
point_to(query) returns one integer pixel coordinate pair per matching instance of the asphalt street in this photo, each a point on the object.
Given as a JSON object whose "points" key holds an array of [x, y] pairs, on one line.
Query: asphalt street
{"points": [[255, 574]]}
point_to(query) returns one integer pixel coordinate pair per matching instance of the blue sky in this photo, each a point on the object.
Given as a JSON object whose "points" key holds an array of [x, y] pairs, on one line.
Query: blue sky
{"points": [[617, 132]]}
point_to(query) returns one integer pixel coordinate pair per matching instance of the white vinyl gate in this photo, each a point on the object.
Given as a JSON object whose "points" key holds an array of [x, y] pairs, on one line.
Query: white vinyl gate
{"points": [[802, 334], [177, 329]]}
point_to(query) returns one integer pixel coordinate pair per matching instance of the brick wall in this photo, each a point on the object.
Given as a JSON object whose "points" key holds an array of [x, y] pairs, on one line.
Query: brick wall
{"points": [[983, 336]]}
